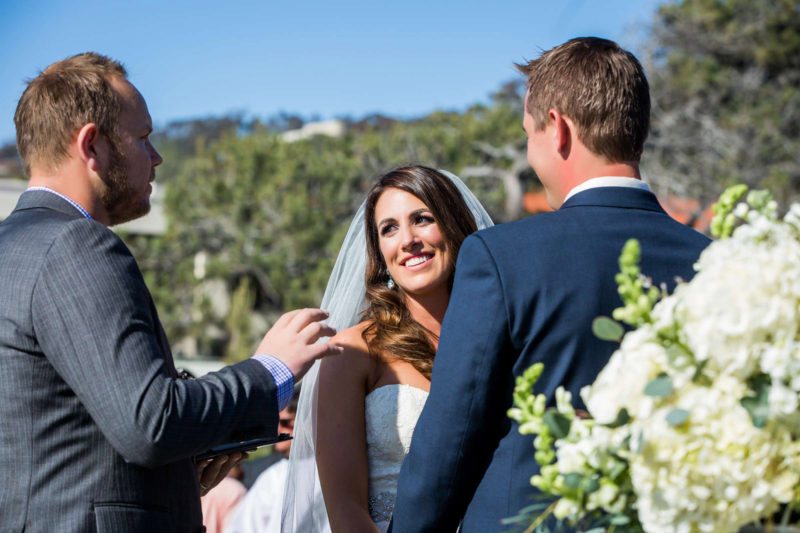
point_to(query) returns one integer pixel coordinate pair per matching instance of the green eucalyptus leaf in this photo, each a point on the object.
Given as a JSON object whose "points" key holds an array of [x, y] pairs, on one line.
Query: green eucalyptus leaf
{"points": [[758, 411], [757, 403], [660, 387], [518, 519], [607, 329], [677, 417], [590, 484], [638, 444], [573, 480], [620, 520], [698, 377], [617, 470], [622, 418], [556, 423]]}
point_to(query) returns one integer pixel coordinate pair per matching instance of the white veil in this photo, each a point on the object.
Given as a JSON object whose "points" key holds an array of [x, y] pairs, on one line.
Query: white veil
{"points": [[303, 506]]}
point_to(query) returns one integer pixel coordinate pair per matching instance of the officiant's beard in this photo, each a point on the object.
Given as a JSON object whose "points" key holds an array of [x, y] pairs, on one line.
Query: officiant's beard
{"points": [[121, 202]]}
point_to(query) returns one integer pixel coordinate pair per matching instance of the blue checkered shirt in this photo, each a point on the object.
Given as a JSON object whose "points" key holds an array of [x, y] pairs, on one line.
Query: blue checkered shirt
{"points": [[282, 375]]}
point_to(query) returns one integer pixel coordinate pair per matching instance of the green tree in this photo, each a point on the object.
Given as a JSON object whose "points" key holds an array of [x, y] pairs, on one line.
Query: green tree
{"points": [[255, 222], [724, 78]]}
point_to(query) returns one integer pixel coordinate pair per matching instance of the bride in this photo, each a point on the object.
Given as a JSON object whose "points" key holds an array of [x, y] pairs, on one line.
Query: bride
{"points": [[358, 411]]}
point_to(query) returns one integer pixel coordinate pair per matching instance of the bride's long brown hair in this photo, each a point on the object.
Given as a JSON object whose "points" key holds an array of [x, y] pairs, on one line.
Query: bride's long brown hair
{"points": [[392, 332]]}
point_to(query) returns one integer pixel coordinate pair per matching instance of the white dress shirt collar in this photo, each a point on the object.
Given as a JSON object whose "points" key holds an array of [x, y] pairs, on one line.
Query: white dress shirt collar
{"points": [[607, 181]]}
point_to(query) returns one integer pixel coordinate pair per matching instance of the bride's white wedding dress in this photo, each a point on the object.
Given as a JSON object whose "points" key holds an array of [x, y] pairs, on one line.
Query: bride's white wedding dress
{"points": [[390, 412]]}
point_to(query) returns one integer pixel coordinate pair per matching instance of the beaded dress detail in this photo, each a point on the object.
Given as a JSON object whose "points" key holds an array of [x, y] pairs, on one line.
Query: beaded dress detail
{"points": [[391, 413]]}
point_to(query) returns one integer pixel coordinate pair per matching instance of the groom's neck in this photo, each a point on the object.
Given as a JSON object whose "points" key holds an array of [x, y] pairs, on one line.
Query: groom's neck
{"points": [[579, 171]]}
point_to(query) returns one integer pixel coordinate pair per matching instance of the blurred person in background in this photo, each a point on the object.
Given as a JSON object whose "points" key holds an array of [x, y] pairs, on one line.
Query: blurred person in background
{"points": [[220, 501], [260, 510]]}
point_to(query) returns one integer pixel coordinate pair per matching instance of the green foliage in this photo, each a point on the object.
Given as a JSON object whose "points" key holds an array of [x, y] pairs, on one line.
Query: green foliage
{"points": [[724, 77], [623, 417], [660, 387], [607, 329], [603, 480], [557, 424], [270, 215], [724, 219], [265, 210], [637, 293], [677, 417], [239, 321], [730, 210], [757, 402]]}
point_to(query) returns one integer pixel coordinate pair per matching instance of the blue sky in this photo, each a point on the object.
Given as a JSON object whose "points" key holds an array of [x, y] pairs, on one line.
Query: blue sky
{"points": [[316, 58]]}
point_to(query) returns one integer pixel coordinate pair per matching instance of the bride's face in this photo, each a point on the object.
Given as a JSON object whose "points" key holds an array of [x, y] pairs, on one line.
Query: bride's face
{"points": [[411, 242]]}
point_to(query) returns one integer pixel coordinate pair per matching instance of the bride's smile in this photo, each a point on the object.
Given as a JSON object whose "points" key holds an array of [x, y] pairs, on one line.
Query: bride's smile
{"points": [[416, 260]]}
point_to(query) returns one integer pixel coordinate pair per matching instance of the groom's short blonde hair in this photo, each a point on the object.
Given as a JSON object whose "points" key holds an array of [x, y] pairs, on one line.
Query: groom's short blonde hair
{"points": [[598, 85]]}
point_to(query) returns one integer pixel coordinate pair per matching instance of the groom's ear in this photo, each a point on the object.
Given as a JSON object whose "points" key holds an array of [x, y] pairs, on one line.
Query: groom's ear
{"points": [[563, 129]]}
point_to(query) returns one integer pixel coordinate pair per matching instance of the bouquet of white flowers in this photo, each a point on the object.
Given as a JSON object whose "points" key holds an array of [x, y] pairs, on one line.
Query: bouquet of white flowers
{"points": [[694, 422]]}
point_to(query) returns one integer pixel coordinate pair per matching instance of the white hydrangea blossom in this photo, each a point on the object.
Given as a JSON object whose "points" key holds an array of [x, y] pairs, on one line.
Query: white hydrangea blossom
{"points": [[738, 318], [717, 472], [620, 385], [743, 301], [711, 387]]}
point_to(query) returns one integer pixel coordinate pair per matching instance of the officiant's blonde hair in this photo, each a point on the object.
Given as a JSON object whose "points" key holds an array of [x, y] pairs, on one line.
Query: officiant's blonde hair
{"points": [[59, 101], [598, 85]]}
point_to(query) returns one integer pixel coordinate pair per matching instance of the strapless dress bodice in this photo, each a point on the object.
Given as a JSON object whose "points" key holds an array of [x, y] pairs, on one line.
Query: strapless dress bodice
{"points": [[391, 413]]}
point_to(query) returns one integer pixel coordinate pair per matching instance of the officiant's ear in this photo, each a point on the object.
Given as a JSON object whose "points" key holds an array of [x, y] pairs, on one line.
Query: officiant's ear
{"points": [[89, 145], [563, 129]]}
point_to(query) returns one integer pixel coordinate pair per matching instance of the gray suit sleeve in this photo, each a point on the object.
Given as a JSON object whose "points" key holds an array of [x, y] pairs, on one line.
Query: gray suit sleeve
{"points": [[94, 321]]}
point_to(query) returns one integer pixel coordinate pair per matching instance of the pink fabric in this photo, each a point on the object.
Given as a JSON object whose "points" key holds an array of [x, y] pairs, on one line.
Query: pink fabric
{"points": [[219, 502]]}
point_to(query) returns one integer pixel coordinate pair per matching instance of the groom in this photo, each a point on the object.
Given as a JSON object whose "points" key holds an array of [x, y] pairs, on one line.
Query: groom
{"points": [[527, 292]]}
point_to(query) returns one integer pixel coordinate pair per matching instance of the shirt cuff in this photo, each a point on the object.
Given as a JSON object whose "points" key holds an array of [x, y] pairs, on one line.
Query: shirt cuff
{"points": [[284, 380]]}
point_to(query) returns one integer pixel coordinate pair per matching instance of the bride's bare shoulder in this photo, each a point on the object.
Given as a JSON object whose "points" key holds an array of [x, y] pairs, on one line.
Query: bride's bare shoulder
{"points": [[352, 338], [356, 357]]}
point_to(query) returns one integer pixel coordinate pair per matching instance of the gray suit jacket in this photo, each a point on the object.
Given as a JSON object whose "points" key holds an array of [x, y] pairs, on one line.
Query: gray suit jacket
{"points": [[96, 432]]}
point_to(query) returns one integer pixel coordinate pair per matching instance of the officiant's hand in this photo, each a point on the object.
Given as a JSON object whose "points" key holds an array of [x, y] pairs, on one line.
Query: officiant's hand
{"points": [[211, 471], [293, 340]]}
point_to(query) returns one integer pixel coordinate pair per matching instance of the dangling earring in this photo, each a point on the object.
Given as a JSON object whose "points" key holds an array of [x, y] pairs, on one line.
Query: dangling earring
{"points": [[390, 283]]}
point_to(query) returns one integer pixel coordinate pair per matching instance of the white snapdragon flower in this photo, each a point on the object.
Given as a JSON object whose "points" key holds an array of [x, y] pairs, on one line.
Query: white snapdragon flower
{"points": [[741, 210], [564, 402], [566, 508], [572, 456]]}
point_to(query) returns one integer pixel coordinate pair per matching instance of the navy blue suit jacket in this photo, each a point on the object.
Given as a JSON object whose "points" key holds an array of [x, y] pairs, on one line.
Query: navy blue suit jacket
{"points": [[524, 292]]}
